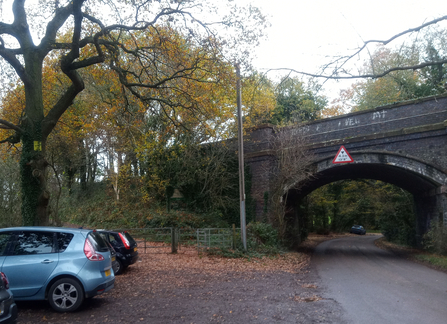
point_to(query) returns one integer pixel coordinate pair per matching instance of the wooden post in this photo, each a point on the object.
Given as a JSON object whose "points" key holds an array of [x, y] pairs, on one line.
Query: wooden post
{"points": [[173, 241], [234, 236]]}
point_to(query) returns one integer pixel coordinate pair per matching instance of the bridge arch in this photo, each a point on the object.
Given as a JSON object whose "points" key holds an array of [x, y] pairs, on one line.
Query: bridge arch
{"points": [[404, 144], [410, 173], [426, 182]]}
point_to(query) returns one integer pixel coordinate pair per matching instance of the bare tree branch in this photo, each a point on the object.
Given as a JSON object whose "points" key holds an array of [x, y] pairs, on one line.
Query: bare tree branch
{"points": [[335, 75], [4, 124], [411, 30], [364, 76]]}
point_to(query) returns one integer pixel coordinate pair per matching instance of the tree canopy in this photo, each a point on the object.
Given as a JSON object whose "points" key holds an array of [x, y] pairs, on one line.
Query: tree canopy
{"points": [[402, 84], [156, 49], [297, 102]]}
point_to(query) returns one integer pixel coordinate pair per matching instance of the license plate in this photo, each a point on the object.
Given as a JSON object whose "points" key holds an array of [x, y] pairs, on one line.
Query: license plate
{"points": [[108, 272], [113, 259], [135, 249]]}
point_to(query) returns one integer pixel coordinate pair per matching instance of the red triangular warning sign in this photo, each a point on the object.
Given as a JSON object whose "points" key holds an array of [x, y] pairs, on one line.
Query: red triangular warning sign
{"points": [[342, 156]]}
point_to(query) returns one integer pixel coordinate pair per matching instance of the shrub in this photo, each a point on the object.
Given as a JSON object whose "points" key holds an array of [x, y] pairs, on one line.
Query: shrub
{"points": [[435, 240], [322, 231], [263, 233], [184, 219]]}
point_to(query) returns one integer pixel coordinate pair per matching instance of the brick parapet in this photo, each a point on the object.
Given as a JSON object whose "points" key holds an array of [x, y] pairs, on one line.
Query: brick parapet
{"points": [[381, 120]]}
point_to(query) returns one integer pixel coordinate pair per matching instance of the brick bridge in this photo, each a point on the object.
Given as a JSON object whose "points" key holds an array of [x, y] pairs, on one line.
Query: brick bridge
{"points": [[403, 144]]}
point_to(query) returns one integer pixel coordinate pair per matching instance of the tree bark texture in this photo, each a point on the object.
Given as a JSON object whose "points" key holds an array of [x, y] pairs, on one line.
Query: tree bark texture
{"points": [[33, 172]]}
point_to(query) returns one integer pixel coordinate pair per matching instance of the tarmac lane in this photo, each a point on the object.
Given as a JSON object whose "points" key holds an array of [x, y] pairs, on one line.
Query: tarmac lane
{"points": [[377, 286]]}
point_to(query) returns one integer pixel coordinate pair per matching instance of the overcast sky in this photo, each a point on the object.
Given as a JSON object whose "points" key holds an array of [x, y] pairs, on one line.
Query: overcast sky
{"points": [[305, 33]]}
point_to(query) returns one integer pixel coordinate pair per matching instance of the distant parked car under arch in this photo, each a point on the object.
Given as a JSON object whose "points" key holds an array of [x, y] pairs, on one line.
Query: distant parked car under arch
{"points": [[358, 229]]}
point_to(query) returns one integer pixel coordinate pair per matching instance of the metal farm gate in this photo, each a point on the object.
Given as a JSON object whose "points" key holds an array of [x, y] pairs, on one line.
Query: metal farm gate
{"points": [[208, 238]]}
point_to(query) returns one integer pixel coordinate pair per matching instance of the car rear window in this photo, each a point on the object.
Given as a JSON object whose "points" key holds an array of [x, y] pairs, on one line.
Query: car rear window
{"points": [[63, 240], [98, 242], [104, 236], [129, 237], [112, 238]]}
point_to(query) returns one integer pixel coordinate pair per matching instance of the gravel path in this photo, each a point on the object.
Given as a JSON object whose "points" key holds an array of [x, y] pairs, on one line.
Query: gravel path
{"points": [[187, 288]]}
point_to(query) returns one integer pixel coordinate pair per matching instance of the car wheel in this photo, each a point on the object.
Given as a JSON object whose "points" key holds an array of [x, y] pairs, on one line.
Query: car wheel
{"points": [[119, 267], [66, 295]]}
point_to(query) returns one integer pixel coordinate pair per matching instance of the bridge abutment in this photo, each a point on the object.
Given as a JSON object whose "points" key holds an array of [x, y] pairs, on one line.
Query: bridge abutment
{"points": [[441, 203]]}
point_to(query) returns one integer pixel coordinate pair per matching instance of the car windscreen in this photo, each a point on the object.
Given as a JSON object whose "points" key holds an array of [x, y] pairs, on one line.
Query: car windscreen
{"points": [[98, 242]]}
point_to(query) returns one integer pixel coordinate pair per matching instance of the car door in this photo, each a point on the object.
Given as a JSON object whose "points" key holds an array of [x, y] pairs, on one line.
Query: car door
{"points": [[30, 262]]}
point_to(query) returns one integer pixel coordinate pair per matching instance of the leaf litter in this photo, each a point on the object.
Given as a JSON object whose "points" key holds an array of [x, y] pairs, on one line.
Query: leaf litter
{"points": [[188, 287]]}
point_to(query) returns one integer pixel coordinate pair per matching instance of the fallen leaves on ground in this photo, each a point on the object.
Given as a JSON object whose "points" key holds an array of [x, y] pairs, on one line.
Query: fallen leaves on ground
{"points": [[162, 270], [189, 287], [314, 239], [307, 299], [158, 269]]}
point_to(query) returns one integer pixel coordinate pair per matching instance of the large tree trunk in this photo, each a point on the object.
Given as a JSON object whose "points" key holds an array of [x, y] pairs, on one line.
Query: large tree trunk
{"points": [[33, 171], [70, 171], [33, 166]]}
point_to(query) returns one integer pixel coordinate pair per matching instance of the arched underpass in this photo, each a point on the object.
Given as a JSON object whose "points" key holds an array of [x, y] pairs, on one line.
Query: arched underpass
{"points": [[422, 180], [404, 144]]}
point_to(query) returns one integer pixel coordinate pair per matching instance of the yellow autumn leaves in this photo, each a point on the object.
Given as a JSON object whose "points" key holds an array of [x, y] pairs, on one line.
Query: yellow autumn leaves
{"points": [[172, 86]]}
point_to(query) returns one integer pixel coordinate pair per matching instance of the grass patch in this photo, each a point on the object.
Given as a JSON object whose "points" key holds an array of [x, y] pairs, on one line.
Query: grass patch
{"points": [[439, 261], [431, 260]]}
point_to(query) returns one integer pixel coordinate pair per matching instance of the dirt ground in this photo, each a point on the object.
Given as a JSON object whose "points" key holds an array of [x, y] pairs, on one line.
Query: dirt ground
{"points": [[191, 288]]}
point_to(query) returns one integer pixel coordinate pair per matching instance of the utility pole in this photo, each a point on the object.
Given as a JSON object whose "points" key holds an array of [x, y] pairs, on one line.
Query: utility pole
{"points": [[241, 158]]}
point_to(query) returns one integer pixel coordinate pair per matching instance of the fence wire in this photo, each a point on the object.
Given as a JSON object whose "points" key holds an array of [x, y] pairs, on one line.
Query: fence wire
{"points": [[171, 239]]}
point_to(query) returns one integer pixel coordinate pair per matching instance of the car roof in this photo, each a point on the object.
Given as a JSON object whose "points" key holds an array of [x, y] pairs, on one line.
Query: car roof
{"points": [[108, 231], [47, 228]]}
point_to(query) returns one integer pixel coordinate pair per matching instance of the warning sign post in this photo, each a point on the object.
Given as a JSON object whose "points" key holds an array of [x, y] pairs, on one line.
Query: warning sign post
{"points": [[342, 156]]}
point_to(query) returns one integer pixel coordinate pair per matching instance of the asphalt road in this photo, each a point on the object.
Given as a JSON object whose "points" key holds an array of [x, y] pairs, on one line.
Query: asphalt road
{"points": [[376, 286]]}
